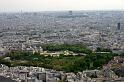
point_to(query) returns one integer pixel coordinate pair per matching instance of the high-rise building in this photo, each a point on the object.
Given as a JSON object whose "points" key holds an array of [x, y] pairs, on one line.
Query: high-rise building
{"points": [[70, 13], [118, 26]]}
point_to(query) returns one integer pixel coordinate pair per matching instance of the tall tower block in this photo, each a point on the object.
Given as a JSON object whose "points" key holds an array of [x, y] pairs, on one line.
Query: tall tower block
{"points": [[70, 13], [118, 26]]}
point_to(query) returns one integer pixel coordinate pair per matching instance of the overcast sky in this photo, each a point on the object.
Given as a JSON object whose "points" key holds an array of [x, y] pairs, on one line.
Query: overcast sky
{"points": [[55, 5]]}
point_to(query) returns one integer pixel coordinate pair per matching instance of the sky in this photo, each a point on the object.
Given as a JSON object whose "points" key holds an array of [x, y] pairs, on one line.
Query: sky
{"points": [[58, 5]]}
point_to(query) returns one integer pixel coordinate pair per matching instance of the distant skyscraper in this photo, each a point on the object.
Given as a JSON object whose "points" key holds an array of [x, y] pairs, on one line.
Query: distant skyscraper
{"points": [[70, 12], [118, 26]]}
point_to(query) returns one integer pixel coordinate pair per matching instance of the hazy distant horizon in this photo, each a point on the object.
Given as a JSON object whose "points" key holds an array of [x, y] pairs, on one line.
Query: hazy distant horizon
{"points": [[58, 11], [59, 5]]}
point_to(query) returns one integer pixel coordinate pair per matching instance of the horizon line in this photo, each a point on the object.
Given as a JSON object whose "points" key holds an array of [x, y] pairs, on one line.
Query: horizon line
{"points": [[26, 11]]}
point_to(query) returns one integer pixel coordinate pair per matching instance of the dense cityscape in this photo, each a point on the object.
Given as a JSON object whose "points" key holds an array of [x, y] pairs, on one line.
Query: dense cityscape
{"points": [[66, 46]]}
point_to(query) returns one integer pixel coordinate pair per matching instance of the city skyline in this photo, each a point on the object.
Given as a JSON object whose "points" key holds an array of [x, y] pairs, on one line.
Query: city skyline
{"points": [[59, 5]]}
